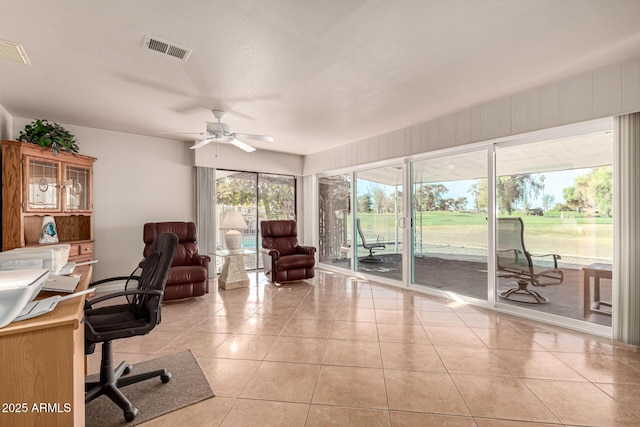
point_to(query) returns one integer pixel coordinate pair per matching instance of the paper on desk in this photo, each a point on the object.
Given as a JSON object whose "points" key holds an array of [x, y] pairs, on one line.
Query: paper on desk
{"points": [[61, 283]]}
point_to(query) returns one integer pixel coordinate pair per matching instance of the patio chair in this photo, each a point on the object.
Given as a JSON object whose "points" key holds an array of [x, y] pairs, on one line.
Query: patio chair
{"points": [[371, 246], [514, 261]]}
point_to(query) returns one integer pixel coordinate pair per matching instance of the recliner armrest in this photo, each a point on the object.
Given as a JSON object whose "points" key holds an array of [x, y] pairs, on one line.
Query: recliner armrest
{"points": [[308, 250], [201, 260], [273, 253]]}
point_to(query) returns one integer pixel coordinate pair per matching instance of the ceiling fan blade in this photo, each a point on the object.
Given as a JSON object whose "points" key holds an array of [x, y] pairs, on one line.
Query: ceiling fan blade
{"points": [[201, 143], [265, 138], [241, 145]]}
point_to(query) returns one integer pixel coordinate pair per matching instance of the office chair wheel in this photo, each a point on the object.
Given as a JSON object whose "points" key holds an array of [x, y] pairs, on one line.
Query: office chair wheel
{"points": [[165, 378], [126, 370], [130, 415]]}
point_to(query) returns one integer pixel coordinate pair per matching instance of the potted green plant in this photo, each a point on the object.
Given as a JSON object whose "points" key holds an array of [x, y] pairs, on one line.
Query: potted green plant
{"points": [[49, 135]]}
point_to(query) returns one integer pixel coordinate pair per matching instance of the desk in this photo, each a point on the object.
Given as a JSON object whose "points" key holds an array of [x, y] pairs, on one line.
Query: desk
{"points": [[597, 271], [43, 365], [233, 274]]}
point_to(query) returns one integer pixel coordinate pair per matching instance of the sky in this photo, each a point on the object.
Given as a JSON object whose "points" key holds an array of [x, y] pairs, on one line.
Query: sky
{"points": [[554, 183]]}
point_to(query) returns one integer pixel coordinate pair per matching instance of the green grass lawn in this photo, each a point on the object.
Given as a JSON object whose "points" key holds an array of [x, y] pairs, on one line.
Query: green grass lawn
{"points": [[564, 233]]}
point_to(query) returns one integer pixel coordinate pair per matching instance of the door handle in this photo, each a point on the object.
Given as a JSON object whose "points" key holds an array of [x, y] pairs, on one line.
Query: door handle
{"points": [[402, 222]]}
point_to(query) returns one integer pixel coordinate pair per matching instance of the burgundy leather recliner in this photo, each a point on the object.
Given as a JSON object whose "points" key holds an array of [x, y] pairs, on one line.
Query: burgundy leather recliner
{"points": [[189, 272], [283, 259]]}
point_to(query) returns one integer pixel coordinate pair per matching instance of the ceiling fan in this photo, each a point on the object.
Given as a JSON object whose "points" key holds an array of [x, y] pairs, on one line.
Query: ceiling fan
{"points": [[219, 130]]}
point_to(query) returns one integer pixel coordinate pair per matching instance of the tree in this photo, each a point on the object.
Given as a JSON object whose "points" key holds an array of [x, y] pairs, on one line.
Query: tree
{"points": [[460, 204], [474, 190], [547, 201], [483, 195], [393, 202], [365, 204], [429, 197], [276, 198], [592, 190], [379, 197], [573, 198], [601, 189], [235, 192], [445, 204], [516, 188]]}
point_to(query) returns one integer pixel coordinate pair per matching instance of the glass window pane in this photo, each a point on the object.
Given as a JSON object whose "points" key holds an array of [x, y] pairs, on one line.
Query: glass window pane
{"points": [[335, 220], [77, 188], [449, 198], [378, 213], [258, 197], [555, 226], [276, 200], [43, 185], [237, 191]]}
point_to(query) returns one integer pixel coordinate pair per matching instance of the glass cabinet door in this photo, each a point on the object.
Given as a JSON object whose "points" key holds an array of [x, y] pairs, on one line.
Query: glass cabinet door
{"points": [[42, 185], [77, 188]]}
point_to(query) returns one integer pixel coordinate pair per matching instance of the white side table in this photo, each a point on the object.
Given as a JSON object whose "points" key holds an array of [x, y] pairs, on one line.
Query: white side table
{"points": [[233, 273]]}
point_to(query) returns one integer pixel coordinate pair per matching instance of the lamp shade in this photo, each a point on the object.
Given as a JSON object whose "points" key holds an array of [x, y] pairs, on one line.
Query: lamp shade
{"points": [[233, 220]]}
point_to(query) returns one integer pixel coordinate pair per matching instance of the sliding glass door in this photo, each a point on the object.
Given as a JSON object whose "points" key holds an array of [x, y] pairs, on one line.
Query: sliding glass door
{"points": [[257, 197], [525, 224], [379, 222], [335, 220], [449, 201], [554, 203], [276, 200]]}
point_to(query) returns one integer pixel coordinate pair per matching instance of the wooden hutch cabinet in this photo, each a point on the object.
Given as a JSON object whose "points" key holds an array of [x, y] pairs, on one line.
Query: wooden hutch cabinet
{"points": [[36, 183]]}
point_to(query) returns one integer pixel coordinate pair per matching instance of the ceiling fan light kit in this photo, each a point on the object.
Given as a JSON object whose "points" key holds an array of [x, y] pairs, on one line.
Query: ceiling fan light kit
{"points": [[222, 131]]}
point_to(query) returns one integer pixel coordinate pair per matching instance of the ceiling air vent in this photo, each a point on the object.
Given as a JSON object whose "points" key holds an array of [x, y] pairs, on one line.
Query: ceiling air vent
{"points": [[13, 52], [166, 48]]}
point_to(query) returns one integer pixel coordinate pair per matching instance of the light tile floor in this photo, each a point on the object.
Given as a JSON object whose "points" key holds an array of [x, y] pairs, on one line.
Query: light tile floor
{"points": [[339, 351]]}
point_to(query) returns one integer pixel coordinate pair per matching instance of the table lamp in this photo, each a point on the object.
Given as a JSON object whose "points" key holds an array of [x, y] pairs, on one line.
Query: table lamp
{"points": [[232, 221]]}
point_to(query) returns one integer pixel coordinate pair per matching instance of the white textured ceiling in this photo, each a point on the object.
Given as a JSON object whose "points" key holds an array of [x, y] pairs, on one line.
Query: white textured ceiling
{"points": [[313, 74]]}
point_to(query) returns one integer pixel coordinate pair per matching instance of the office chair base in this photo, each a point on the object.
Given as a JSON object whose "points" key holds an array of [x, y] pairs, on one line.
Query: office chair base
{"points": [[111, 380], [130, 415], [522, 289]]}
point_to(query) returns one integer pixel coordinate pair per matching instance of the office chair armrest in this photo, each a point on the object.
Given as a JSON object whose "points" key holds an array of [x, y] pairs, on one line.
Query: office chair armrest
{"points": [[92, 301], [307, 250], [113, 279], [201, 260]]}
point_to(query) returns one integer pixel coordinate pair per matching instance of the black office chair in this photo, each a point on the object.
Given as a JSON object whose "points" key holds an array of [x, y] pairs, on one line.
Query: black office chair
{"points": [[371, 246], [138, 316]]}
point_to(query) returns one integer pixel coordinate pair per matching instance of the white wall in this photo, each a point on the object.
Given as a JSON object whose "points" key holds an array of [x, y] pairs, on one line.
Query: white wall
{"points": [[604, 92], [225, 156], [136, 179]]}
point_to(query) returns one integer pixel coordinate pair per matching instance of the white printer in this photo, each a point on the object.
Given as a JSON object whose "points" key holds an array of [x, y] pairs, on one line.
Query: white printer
{"points": [[51, 257], [17, 288]]}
